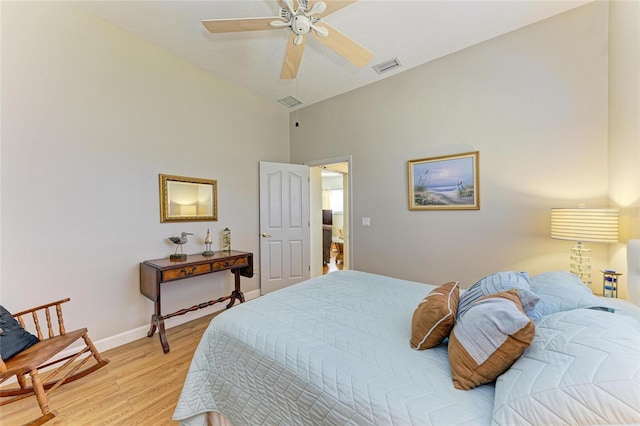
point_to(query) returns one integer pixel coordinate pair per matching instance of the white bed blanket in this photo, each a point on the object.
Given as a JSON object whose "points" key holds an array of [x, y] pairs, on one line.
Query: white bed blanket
{"points": [[333, 350], [583, 368]]}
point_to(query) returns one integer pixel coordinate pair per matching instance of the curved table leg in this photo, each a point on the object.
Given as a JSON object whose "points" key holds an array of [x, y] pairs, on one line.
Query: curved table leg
{"points": [[158, 321], [236, 293], [152, 329]]}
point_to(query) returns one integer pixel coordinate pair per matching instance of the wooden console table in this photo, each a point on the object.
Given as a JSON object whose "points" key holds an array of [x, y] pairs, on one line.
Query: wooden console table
{"points": [[153, 273]]}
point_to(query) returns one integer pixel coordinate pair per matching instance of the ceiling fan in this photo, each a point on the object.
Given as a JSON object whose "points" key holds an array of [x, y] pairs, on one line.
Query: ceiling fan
{"points": [[301, 17]]}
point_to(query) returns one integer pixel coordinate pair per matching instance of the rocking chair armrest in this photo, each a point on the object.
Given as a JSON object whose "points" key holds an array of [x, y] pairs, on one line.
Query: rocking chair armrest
{"points": [[37, 308]]}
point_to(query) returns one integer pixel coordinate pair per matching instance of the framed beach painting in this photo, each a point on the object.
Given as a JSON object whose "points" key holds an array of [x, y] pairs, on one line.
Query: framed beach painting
{"points": [[445, 183]]}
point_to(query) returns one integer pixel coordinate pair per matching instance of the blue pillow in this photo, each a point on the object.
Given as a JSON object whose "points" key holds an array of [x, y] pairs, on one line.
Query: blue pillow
{"points": [[563, 291], [13, 338], [497, 283]]}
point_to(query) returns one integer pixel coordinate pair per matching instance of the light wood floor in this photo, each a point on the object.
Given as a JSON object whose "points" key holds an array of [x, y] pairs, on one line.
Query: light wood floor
{"points": [[140, 386]]}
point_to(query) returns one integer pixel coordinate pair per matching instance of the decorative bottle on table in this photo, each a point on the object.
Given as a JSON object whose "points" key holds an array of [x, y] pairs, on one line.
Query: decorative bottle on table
{"points": [[226, 239]]}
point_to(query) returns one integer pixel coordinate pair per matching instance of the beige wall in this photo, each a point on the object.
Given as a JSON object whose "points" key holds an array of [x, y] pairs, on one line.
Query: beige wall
{"points": [[91, 114], [533, 103]]}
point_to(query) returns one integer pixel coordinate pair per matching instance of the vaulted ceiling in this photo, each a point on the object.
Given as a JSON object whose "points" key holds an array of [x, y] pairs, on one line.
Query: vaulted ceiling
{"points": [[414, 32]]}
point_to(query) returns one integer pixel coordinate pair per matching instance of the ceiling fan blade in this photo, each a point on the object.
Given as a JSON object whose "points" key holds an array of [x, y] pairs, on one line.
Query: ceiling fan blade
{"points": [[240, 24], [292, 58], [344, 46], [332, 6]]}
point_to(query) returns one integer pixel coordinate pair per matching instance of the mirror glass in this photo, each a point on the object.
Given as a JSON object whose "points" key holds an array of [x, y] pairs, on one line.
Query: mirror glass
{"points": [[185, 199]]}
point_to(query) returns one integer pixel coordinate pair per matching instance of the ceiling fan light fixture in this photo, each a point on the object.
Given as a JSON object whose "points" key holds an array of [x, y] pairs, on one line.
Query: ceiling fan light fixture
{"points": [[290, 101], [321, 31], [387, 65], [279, 24]]}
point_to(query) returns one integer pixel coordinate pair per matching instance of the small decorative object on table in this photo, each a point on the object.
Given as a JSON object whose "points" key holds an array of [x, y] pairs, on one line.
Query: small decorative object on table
{"points": [[610, 283], [179, 241], [207, 245], [226, 239]]}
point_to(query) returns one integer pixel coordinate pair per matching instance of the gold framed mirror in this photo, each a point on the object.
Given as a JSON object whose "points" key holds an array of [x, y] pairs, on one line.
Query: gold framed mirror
{"points": [[186, 199]]}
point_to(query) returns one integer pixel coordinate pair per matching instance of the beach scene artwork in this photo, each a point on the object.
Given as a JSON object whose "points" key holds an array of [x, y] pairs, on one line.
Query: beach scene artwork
{"points": [[444, 182]]}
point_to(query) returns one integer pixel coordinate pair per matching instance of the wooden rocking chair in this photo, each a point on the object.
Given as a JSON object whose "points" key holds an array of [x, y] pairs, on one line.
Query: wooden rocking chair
{"points": [[42, 355]]}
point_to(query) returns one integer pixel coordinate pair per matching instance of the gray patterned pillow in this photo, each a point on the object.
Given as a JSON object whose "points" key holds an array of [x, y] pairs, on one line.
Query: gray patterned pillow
{"points": [[496, 283]]}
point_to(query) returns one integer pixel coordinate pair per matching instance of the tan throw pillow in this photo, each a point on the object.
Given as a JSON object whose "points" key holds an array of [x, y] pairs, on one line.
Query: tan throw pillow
{"points": [[488, 339], [435, 316]]}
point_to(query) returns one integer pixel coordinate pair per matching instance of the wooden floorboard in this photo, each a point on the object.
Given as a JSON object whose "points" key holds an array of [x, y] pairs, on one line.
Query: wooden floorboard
{"points": [[140, 386]]}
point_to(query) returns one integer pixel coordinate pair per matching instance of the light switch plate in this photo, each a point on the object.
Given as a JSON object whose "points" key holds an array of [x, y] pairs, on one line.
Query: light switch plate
{"points": [[366, 221]]}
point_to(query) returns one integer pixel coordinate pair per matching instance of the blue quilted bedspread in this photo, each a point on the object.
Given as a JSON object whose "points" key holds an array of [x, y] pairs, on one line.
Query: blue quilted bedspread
{"points": [[330, 351]]}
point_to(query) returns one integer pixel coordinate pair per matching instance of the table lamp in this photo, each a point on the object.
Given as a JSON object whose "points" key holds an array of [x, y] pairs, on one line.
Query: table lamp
{"points": [[584, 225]]}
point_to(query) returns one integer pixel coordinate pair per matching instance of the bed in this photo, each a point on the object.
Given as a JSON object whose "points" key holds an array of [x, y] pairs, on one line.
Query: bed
{"points": [[336, 350]]}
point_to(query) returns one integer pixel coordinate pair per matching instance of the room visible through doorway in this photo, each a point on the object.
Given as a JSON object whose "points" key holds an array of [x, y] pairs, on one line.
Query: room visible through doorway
{"points": [[334, 198], [330, 215]]}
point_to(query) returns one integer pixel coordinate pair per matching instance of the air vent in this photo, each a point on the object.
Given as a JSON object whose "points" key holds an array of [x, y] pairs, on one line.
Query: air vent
{"points": [[387, 65], [290, 101]]}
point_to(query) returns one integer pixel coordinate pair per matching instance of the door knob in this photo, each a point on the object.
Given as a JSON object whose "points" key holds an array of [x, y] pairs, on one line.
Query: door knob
{"points": [[264, 234]]}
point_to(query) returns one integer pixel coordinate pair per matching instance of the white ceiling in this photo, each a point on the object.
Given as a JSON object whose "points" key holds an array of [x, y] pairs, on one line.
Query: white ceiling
{"points": [[415, 32]]}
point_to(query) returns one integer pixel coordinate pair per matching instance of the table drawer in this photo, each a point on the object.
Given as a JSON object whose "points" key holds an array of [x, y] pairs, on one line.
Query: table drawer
{"points": [[228, 263], [186, 271]]}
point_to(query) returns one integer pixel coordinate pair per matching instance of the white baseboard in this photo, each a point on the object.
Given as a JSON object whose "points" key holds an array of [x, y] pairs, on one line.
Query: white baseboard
{"points": [[137, 333]]}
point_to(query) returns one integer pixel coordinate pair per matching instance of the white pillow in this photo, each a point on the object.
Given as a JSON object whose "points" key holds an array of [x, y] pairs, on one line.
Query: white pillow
{"points": [[562, 291], [583, 367]]}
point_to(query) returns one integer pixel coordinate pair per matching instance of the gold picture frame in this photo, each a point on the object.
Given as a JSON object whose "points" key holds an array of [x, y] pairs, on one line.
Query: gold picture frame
{"points": [[450, 182], [187, 199]]}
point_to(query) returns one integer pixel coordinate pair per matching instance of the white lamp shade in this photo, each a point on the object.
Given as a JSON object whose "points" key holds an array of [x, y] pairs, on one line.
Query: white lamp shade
{"points": [[585, 225]]}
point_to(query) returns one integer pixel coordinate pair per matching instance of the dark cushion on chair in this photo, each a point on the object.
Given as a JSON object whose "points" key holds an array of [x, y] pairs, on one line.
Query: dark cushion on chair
{"points": [[13, 338]]}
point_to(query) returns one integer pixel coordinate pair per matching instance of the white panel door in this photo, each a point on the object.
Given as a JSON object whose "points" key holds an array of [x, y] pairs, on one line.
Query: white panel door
{"points": [[284, 225]]}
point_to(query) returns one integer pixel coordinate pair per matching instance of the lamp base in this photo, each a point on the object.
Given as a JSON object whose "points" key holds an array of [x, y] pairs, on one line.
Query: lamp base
{"points": [[580, 263]]}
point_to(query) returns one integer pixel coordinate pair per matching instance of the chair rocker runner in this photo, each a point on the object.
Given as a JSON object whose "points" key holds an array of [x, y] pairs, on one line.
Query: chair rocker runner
{"points": [[42, 355]]}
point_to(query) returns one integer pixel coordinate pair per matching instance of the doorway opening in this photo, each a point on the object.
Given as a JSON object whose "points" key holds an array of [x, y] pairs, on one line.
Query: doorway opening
{"points": [[330, 215], [333, 179]]}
